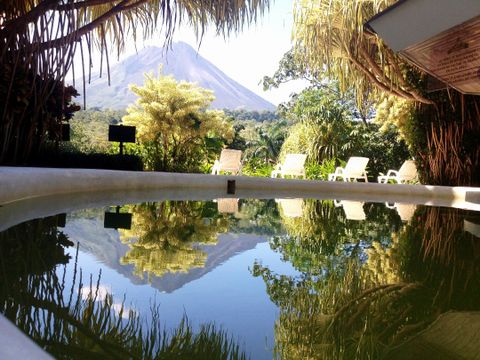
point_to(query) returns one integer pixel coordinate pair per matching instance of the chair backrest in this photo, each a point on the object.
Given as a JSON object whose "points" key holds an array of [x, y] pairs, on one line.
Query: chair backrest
{"points": [[405, 211], [291, 208], [227, 205], [230, 159], [408, 170], [356, 165], [353, 210], [294, 162]]}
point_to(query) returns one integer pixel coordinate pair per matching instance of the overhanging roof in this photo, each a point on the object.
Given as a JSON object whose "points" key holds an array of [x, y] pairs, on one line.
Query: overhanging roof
{"points": [[442, 37]]}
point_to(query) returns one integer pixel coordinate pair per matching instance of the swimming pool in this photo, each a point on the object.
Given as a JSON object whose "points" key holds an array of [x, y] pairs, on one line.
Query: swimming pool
{"points": [[285, 277]]}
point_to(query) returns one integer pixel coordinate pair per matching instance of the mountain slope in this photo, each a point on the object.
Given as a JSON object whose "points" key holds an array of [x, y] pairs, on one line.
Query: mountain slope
{"points": [[181, 61]]}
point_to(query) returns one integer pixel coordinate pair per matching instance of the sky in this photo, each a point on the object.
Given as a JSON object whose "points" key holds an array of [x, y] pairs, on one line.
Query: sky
{"points": [[247, 56]]}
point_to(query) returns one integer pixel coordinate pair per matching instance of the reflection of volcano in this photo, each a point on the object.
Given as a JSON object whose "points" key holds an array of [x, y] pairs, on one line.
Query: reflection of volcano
{"points": [[105, 246]]}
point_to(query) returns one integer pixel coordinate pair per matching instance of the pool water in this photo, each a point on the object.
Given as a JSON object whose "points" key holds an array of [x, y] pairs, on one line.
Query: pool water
{"points": [[288, 278]]}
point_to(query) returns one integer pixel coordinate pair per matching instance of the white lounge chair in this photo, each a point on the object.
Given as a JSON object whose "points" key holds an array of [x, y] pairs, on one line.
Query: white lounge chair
{"points": [[405, 211], [354, 169], [291, 208], [230, 161], [353, 209], [294, 165], [406, 173], [227, 205]]}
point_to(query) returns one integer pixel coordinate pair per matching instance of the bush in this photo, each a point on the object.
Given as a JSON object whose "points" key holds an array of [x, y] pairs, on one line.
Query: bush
{"points": [[257, 167], [315, 171], [72, 159]]}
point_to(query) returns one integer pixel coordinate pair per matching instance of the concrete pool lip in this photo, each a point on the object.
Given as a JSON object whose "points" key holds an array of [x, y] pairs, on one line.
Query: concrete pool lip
{"points": [[22, 183]]}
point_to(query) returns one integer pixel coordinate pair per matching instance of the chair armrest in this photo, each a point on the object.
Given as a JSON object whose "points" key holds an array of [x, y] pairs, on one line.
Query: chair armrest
{"points": [[392, 173], [339, 170], [215, 167]]}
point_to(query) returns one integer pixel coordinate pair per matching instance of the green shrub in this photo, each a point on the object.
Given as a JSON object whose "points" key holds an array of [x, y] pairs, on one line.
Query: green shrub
{"points": [[257, 167], [315, 171]]}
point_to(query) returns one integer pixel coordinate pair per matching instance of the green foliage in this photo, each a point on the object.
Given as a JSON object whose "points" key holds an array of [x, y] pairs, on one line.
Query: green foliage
{"points": [[260, 143], [89, 130], [325, 130], [259, 116], [323, 126], [175, 130], [27, 124], [257, 167], [290, 69], [383, 148], [320, 171]]}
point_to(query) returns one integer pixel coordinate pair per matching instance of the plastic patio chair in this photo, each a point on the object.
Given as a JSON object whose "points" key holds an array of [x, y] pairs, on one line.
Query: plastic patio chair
{"points": [[294, 165], [406, 173], [291, 208], [405, 211], [230, 161], [353, 209], [227, 205], [354, 169]]}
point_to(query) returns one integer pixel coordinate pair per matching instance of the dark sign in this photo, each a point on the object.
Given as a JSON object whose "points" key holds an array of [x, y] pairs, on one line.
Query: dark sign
{"points": [[65, 132], [61, 220], [117, 220], [121, 133]]}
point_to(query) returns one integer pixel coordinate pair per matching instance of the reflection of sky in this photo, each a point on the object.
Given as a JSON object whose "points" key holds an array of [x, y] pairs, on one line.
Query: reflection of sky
{"points": [[229, 296]]}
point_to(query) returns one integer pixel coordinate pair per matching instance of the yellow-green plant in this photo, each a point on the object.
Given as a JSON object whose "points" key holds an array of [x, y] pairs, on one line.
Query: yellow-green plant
{"points": [[175, 128], [40, 38], [165, 237]]}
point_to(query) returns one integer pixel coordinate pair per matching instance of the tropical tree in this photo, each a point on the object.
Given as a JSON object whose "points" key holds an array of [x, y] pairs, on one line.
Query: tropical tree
{"points": [[330, 38], [323, 125], [175, 129], [39, 39]]}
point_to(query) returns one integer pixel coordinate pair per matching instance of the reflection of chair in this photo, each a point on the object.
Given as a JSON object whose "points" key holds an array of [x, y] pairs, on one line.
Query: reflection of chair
{"points": [[472, 228], [353, 170], [227, 205], [407, 172], [230, 161], [405, 211], [291, 208], [293, 166], [353, 209]]}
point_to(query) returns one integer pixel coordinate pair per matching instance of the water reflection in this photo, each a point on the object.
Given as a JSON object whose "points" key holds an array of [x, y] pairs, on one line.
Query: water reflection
{"points": [[165, 236], [383, 285], [82, 321], [364, 286]]}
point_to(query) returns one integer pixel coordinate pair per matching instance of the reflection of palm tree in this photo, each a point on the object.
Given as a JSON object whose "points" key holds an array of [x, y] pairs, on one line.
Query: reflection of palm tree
{"points": [[165, 236], [81, 322], [346, 306]]}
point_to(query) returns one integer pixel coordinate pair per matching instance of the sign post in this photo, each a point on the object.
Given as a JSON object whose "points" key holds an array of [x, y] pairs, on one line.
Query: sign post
{"points": [[121, 134]]}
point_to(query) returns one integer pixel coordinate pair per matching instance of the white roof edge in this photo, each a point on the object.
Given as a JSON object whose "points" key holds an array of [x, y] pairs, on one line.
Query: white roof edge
{"points": [[413, 21]]}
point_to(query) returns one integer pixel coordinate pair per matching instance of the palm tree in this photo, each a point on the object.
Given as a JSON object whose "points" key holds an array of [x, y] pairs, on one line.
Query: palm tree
{"points": [[39, 38], [330, 38]]}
